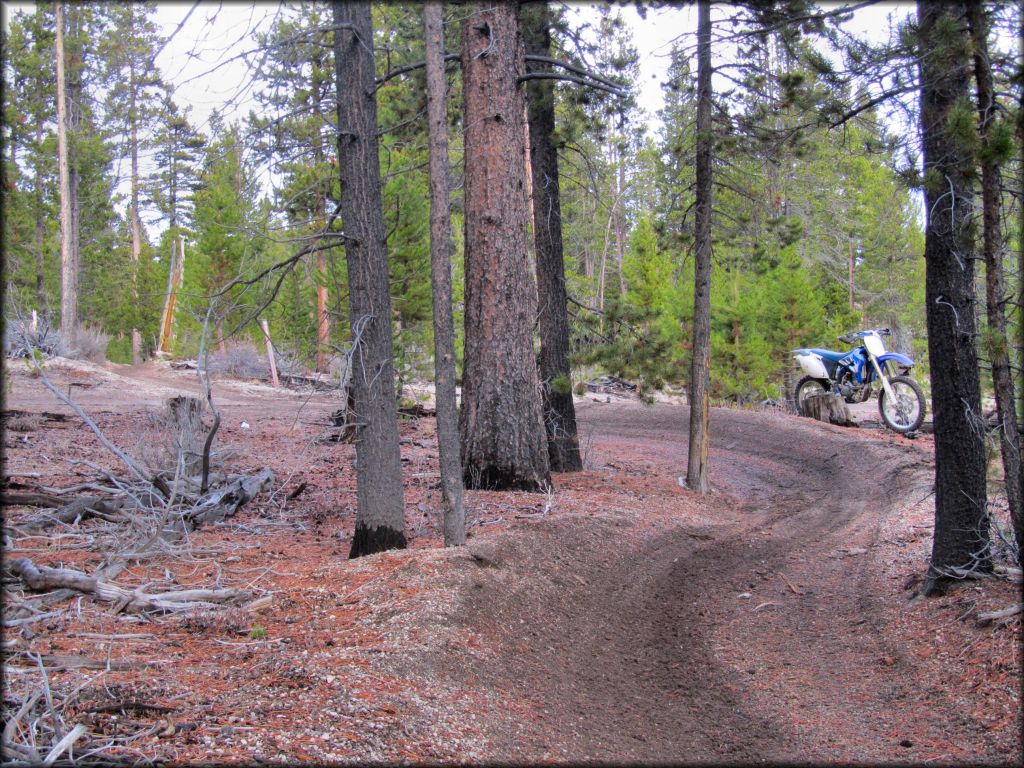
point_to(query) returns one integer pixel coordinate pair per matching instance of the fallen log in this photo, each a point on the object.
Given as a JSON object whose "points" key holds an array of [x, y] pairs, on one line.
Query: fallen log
{"points": [[984, 619], [44, 579], [31, 499], [80, 509], [827, 407], [225, 502]]}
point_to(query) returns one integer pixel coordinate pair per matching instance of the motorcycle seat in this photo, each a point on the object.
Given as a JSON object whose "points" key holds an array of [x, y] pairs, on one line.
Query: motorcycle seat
{"points": [[829, 354]]}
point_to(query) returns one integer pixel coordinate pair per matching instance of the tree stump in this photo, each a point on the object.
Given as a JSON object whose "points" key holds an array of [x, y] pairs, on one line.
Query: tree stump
{"points": [[828, 407]]}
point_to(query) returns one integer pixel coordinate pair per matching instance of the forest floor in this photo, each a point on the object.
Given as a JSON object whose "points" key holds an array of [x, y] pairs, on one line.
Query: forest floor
{"points": [[620, 618]]}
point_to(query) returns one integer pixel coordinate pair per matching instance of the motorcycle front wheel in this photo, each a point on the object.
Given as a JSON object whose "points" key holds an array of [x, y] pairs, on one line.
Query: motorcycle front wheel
{"points": [[808, 385], [907, 412]]}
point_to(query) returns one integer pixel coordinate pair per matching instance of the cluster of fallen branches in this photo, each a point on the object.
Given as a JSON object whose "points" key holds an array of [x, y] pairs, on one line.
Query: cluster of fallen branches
{"points": [[37, 730], [156, 505], [137, 520]]}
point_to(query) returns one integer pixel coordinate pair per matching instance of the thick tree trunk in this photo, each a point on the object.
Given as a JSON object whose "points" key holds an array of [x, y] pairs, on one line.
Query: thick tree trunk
{"points": [[697, 455], [380, 519], [453, 514], [552, 301], [68, 231], [961, 539], [827, 407], [501, 423], [995, 284]]}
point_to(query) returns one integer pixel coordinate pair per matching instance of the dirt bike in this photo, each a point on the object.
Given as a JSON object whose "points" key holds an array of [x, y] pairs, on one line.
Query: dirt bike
{"points": [[854, 373]]}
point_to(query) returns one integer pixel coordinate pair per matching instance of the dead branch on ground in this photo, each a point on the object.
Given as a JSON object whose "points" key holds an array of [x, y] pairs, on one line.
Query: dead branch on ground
{"points": [[45, 579]]}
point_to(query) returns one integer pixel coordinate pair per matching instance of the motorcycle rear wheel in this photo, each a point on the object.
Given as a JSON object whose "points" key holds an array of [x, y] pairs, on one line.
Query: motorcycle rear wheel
{"points": [[808, 385], [907, 413]]}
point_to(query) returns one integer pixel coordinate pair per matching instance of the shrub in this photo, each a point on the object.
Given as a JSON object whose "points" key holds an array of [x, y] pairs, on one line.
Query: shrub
{"points": [[20, 339], [240, 359], [87, 342]]}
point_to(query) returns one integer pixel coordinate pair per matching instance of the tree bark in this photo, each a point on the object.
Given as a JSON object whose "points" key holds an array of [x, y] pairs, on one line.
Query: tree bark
{"points": [[501, 423], [961, 538], [827, 407], [552, 301], [136, 220], [40, 218], [995, 285], [380, 518], [453, 514], [697, 454], [323, 317], [68, 232]]}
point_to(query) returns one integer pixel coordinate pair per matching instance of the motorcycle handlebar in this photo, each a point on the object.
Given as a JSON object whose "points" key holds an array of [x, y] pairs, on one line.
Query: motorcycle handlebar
{"points": [[851, 336]]}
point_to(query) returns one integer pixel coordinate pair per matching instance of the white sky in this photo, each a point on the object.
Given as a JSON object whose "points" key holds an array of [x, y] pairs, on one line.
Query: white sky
{"points": [[199, 58], [216, 31]]}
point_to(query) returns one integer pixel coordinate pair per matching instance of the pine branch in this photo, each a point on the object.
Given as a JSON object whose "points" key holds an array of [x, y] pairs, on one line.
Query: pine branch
{"points": [[571, 79]]}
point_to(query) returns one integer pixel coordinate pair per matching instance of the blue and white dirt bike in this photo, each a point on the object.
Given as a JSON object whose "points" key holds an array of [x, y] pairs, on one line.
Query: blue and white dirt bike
{"points": [[854, 374]]}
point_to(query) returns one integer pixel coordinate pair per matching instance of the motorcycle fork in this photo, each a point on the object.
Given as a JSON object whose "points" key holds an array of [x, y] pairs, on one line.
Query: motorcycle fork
{"points": [[885, 381]]}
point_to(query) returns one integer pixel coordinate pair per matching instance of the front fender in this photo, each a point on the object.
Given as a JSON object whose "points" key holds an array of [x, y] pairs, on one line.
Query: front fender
{"points": [[897, 357]]}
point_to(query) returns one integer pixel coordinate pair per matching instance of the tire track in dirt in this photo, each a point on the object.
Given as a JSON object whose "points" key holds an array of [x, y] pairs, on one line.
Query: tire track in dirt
{"points": [[651, 652]]}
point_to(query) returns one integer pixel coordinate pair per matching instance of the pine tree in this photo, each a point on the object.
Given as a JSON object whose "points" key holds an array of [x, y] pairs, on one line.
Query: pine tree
{"points": [[133, 98], [453, 515], [380, 519], [225, 221], [501, 424], [961, 537], [29, 169], [294, 133], [553, 320]]}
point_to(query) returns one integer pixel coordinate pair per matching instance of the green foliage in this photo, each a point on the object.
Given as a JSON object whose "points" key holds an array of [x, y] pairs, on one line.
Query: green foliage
{"points": [[227, 242]]}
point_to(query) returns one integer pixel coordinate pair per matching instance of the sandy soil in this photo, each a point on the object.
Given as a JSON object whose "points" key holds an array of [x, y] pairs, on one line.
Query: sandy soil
{"points": [[621, 618]]}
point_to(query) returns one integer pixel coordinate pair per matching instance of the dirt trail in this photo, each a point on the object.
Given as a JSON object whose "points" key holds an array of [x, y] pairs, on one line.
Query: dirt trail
{"points": [[623, 619], [654, 658]]}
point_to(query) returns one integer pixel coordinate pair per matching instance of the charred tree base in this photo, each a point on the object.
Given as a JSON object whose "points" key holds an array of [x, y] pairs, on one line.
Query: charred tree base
{"points": [[497, 479], [370, 541]]}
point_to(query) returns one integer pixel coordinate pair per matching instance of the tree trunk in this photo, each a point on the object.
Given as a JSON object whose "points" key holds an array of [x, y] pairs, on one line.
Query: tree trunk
{"points": [[453, 515], [175, 276], [620, 216], [323, 317], [961, 538], [697, 455], [68, 232], [995, 285], [380, 518], [136, 220], [40, 220], [555, 372], [828, 407], [501, 423]]}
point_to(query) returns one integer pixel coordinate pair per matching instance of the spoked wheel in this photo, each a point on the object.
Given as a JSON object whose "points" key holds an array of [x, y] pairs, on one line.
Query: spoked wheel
{"points": [[907, 412], [807, 386]]}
